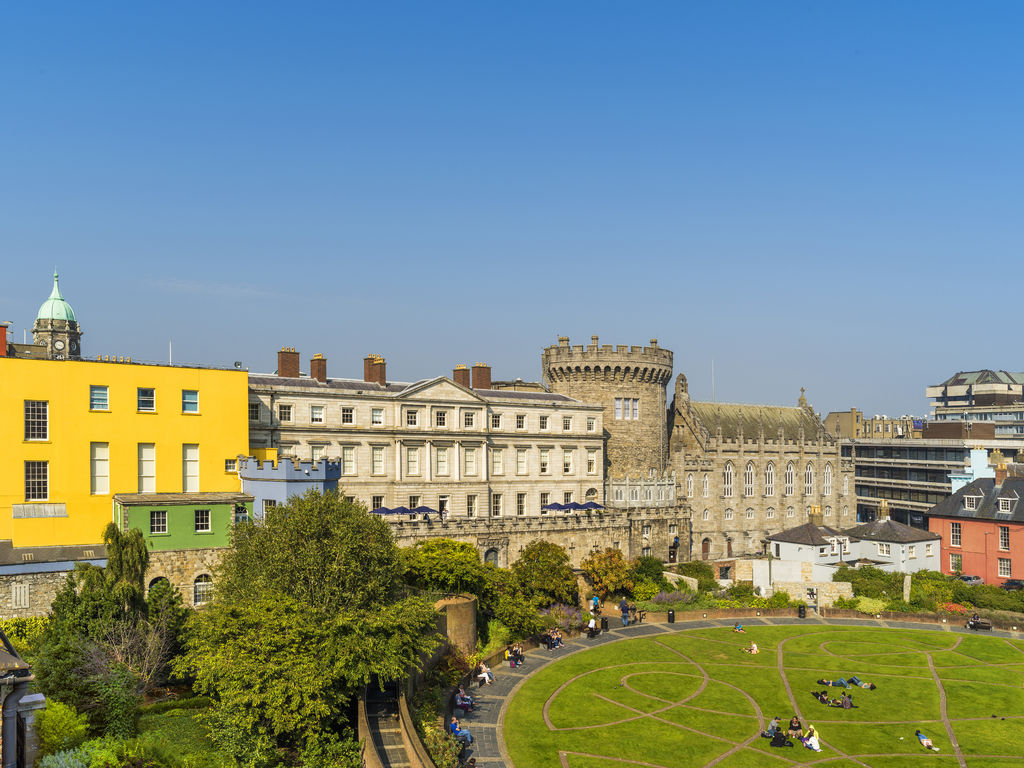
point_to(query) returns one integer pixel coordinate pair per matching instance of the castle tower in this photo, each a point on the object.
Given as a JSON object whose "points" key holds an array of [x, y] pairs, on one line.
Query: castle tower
{"points": [[629, 381], [57, 328]]}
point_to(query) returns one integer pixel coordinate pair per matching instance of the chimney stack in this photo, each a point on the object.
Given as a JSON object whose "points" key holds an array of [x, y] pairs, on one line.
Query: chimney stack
{"points": [[288, 363], [3, 339], [883, 510], [318, 368], [815, 518], [461, 375], [1001, 473], [374, 370], [481, 376]]}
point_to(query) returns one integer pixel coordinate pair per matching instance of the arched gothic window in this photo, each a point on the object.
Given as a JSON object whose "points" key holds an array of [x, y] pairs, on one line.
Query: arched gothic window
{"points": [[706, 515], [750, 513], [706, 487], [689, 485], [491, 556], [790, 479], [826, 483], [790, 512], [727, 481], [728, 514], [809, 479], [828, 511], [770, 513], [748, 479], [846, 510], [769, 479]]}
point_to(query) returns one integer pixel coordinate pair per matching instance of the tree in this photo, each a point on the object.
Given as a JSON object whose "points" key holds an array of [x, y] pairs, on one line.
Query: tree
{"points": [[308, 609], [505, 599], [608, 572], [544, 572], [444, 564]]}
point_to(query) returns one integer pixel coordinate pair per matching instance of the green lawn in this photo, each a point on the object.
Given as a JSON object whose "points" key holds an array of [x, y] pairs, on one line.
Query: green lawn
{"points": [[688, 698]]}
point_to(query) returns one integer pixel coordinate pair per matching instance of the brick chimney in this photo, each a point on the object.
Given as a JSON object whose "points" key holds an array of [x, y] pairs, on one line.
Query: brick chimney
{"points": [[461, 375], [481, 376], [1001, 473], [318, 368], [3, 339], [288, 363], [374, 370], [815, 518]]}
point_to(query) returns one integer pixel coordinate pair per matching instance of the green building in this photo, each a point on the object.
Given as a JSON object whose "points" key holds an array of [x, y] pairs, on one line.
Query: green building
{"points": [[175, 521]]}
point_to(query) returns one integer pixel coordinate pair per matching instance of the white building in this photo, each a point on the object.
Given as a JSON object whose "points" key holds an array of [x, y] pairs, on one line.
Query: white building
{"points": [[461, 447]]}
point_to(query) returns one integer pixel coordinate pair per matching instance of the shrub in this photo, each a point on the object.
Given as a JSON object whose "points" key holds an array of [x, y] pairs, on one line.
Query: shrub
{"points": [[645, 590], [954, 608], [25, 633], [846, 603], [118, 694], [69, 758], [870, 605], [566, 617], [741, 591], [60, 728], [702, 572], [192, 702]]}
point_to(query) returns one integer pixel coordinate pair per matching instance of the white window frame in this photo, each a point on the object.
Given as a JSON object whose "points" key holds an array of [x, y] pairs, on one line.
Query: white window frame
{"points": [[809, 479], [203, 520], [790, 479], [190, 404], [727, 480], [348, 460], [316, 414], [376, 417], [748, 479], [955, 534], [826, 483], [99, 469], [412, 460], [1005, 568], [522, 461], [37, 480], [99, 397], [157, 522], [377, 460], [441, 459], [568, 459], [769, 479], [591, 461], [190, 468], [497, 461], [348, 414], [1004, 538], [469, 462], [146, 453]]}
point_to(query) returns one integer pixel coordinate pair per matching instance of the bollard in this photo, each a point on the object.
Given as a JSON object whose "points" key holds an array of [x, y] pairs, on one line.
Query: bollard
{"points": [[604, 623], [671, 617], [802, 611]]}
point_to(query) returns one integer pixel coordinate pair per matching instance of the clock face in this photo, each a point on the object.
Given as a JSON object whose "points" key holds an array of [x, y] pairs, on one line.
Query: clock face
{"points": [[74, 347], [58, 344]]}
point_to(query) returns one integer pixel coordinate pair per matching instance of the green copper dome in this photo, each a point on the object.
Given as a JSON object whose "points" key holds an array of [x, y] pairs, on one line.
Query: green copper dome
{"points": [[55, 308]]}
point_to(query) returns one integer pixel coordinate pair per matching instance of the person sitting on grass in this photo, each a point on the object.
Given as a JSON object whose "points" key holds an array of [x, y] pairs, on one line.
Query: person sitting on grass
{"points": [[846, 701], [925, 741], [752, 649], [796, 730], [737, 627], [773, 727], [811, 739]]}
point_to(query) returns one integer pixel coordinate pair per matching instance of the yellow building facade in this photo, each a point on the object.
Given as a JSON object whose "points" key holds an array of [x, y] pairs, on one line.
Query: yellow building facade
{"points": [[75, 432]]}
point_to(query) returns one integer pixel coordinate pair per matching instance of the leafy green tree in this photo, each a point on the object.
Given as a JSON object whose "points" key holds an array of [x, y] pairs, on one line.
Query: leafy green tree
{"points": [[608, 572], [504, 598], [702, 572], [308, 608], [445, 564], [544, 572]]}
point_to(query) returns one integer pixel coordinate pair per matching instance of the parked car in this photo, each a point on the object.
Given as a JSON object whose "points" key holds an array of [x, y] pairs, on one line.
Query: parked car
{"points": [[972, 581], [1013, 584]]}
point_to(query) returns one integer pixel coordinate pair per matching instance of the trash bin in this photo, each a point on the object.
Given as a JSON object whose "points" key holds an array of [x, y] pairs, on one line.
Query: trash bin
{"points": [[671, 617], [802, 611], [604, 623]]}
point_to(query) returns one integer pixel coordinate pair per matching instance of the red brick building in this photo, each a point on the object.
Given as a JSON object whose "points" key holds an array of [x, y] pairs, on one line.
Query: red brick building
{"points": [[982, 528]]}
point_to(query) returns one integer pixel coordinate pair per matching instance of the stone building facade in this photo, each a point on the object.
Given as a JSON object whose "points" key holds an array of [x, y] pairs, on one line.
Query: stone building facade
{"points": [[748, 471], [628, 382], [455, 445]]}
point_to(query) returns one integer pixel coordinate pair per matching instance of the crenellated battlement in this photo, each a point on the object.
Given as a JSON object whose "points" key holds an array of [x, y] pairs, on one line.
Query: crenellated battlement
{"points": [[607, 362], [288, 469]]}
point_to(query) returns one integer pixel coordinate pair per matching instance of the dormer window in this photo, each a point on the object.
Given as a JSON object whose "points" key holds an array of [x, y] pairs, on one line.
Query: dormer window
{"points": [[970, 502], [1005, 505]]}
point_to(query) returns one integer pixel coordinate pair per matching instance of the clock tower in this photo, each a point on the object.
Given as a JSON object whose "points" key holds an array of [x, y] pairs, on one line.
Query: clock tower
{"points": [[56, 327]]}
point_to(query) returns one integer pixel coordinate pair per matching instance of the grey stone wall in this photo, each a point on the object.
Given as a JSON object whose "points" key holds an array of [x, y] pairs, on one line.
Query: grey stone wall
{"points": [[600, 374]]}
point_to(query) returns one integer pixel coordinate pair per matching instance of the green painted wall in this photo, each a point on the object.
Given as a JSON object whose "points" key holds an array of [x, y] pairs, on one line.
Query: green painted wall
{"points": [[181, 525]]}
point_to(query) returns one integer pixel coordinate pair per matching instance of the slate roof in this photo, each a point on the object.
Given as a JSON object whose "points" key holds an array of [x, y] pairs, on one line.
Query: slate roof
{"points": [[988, 505], [180, 499], [810, 534], [985, 376], [732, 415], [892, 532], [397, 388]]}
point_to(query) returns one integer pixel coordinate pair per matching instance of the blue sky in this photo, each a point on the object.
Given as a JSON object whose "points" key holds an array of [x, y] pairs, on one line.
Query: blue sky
{"points": [[811, 194]]}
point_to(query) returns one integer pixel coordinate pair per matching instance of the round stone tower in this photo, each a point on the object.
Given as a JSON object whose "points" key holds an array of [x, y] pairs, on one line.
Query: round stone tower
{"points": [[630, 383]]}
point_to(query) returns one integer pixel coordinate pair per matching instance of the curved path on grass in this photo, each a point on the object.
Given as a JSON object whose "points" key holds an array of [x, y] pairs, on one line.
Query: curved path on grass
{"points": [[487, 721]]}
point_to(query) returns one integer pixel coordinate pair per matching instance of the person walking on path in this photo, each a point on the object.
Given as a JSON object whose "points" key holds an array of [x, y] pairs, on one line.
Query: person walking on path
{"points": [[624, 610]]}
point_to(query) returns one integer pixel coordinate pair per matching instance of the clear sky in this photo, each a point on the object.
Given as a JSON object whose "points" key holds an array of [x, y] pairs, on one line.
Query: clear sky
{"points": [[816, 194]]}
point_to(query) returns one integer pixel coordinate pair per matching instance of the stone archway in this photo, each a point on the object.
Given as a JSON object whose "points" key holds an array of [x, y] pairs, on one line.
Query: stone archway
{"points": [[491, 556], [705, 549]]}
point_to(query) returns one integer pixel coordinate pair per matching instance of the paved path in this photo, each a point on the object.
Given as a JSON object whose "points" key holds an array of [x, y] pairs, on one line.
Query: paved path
{"points": [[487, 719]]}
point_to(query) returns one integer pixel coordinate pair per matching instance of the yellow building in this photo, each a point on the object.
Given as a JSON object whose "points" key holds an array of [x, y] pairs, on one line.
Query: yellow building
{"points": [[75, 432]]}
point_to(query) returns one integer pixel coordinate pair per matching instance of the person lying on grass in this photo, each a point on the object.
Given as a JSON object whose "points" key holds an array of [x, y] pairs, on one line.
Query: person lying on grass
{"points": [[925, 741], [751, 649]]}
